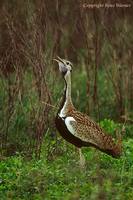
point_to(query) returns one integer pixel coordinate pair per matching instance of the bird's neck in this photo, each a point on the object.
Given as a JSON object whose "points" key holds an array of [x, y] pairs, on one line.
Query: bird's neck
{"points": [[67, 93], [67, 104]]}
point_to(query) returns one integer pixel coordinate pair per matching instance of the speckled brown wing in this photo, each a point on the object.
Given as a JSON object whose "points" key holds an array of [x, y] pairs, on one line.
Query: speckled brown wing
{"points": [[89, 131]]}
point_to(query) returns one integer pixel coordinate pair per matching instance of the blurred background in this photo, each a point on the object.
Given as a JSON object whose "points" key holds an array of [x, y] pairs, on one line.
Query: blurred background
{"points": [[99, 43]]}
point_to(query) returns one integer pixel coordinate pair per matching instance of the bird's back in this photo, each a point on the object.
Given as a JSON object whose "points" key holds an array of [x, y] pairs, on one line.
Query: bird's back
{"points": [[92, 134]]}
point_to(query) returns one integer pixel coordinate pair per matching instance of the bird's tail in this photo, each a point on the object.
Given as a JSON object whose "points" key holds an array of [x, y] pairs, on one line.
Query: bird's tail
{"points": [[112, 148], [117, 151]]}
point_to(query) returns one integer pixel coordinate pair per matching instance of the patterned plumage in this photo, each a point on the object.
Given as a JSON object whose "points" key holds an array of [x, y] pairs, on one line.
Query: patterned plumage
{"points": [[76, 127], [91, 133]]}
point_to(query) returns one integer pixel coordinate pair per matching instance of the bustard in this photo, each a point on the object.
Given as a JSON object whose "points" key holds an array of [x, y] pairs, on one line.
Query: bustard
{"points": [[77, 128]]}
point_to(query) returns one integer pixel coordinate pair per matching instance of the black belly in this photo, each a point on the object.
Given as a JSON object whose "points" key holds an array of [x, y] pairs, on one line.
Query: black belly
{"points": [[65, 133]]}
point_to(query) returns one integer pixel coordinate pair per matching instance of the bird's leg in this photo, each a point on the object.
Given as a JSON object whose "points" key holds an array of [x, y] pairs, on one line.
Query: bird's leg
{"points": [[82, 159]]}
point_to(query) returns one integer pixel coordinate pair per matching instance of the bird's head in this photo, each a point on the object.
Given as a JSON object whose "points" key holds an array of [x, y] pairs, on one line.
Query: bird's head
{"points": [[65, 66]]}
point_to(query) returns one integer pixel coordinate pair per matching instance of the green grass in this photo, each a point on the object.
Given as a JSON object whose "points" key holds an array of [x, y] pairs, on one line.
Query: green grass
{"points": [[60, 178]]}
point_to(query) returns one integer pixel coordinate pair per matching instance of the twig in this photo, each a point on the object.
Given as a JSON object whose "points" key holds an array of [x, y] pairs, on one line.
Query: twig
{"points": [[49, 104]]}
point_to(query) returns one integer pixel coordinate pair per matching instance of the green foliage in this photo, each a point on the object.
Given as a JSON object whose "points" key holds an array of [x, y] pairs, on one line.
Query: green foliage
{"points": [[129, 131], [111, 127], [61, 178], [108, 125]]}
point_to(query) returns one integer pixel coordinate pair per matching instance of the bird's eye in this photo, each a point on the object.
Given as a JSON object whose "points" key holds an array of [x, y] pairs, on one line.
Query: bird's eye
{"points": [[67, 63]]}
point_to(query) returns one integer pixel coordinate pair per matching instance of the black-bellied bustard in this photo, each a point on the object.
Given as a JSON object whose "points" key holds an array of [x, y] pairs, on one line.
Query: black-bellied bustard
{"points": [[77, 128]]}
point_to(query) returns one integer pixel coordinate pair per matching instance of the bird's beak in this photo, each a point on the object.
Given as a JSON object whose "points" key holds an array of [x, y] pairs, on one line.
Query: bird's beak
{"points": [[58, 60]]}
